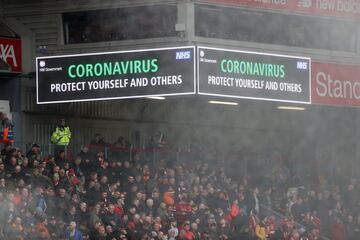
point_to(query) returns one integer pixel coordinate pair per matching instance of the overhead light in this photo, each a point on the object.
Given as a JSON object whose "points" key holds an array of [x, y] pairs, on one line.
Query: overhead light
{"points": [[224, 103], [157, 98], [291, 108]]}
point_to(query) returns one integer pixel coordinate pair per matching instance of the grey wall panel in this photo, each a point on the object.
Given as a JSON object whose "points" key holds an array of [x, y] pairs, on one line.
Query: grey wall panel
{"points": [[23, 7], [46, 29], [35, 7], [43, 18]]}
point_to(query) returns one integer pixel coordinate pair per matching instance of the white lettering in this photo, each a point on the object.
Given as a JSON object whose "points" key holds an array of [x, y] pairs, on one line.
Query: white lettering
{"points": [[328, 87], [320, 79], [8, 52]]}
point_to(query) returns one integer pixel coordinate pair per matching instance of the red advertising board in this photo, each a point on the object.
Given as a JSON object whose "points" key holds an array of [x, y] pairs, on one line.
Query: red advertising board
{"points": [[340, 8], [335, 84], [10, 52]]}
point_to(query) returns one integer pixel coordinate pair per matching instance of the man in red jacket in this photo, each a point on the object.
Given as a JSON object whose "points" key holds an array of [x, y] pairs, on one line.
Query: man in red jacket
{"points": [[337, 231], [189, 235]]}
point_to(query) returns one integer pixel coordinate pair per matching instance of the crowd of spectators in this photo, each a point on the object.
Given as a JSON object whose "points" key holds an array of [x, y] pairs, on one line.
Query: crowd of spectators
{"points": [[137, 197]]}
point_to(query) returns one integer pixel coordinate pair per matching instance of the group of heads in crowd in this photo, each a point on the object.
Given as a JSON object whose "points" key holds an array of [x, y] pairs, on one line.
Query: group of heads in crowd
{"points": [[136, 196]]}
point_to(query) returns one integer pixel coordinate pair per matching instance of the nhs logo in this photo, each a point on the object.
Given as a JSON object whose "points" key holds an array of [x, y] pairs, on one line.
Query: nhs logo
{"points": [[183, 55], [302, 65]]}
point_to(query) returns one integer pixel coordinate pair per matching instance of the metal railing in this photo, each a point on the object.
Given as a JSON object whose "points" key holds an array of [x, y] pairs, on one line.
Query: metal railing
{"points": [[113, 153]]}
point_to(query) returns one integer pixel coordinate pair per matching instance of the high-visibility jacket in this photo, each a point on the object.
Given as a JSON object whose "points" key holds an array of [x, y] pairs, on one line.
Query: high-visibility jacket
{"points": [[260, 232], [61, 136]]}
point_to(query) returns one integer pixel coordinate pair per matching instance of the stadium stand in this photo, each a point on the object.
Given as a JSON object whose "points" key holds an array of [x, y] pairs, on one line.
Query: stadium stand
{"points": [[134, 195]]}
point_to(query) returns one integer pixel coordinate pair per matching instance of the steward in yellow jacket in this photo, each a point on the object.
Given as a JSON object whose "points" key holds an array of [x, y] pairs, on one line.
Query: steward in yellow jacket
{"points": [[62, 134]]}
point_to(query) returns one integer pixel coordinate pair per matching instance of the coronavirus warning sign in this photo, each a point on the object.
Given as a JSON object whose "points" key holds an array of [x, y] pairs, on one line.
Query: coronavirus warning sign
{"points": [[116, 75], [252, 75]]}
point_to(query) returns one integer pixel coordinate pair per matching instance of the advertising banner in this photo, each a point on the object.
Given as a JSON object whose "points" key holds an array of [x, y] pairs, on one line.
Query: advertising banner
{"points": [[10, 53], [116, 75], [339, 8], [335, 84], [252, 75]]}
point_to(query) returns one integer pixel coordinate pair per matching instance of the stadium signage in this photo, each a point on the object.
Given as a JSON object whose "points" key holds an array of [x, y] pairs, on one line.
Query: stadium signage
{"points": [[116, 75], [10, 52], [252, 75], [339, 8], [335, 84]]}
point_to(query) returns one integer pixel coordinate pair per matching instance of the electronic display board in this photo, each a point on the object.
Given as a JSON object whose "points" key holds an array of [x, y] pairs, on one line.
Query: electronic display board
{"points": [[116, 75], [252, 75]]}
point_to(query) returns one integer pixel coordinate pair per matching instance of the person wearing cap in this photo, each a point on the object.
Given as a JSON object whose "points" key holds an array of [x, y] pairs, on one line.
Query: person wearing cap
{"points": [[61, 136]]}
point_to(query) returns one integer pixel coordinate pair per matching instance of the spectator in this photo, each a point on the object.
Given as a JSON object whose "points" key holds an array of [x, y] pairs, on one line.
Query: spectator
{"points": [[41, 230], [136, 199], [87, 160], [337, 229], [121, 143], [110, 217], [4, 120], [6, 152], [16, 230], [34, 152], [73, 233], [6, 129], [98, 140], [55, 230], [61, 136]]}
